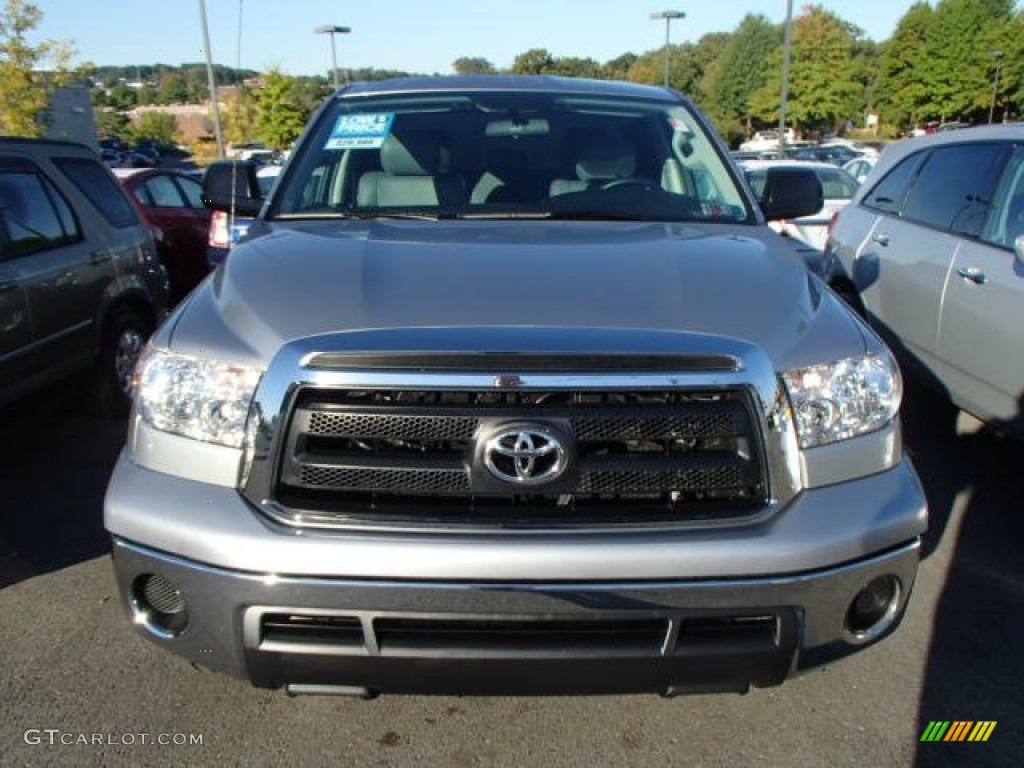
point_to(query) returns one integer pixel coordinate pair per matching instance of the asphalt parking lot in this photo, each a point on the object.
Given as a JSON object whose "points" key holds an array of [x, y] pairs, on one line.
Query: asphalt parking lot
{"points": [[79, 687]]}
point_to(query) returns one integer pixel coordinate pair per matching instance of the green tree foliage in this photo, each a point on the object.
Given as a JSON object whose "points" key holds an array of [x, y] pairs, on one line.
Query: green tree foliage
{"points": [[741, 69], [618, 68], [24, 88], [956, 67], [282, 116], [473, 65], [122, 97], [171, 88], [111, 124], [241, 118], [536, 61], [155, 126], [902, 94], [823, 88]]}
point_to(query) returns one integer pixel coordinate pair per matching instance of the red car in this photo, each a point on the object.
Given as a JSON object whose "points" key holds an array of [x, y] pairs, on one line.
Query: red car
{"points": [[170, 200]]}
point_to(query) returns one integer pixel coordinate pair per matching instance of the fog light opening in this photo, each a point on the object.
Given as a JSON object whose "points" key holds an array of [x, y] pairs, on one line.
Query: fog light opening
{"points": [[158, 605], [873, 610]]}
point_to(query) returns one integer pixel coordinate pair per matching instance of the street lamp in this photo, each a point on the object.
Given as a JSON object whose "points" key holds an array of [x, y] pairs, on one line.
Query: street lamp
{"points": [[667, 16], [218, 134], [787, 45], [998, 56], [330, 29]]}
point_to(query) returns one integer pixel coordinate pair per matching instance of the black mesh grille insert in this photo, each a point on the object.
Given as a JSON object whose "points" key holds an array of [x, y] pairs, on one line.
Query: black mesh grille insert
{"points": [[419, 457]]}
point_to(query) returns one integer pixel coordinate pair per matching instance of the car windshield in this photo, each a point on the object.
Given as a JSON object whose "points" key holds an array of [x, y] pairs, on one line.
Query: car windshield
{"points": [[505, 154]]}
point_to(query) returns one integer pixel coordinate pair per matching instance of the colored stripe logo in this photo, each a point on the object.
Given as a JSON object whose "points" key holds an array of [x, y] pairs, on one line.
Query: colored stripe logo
{"points": [[958, 730]]}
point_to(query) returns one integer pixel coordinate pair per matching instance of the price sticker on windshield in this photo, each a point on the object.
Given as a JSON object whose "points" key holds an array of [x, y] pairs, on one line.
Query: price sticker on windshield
{"points": [[360, 131]]}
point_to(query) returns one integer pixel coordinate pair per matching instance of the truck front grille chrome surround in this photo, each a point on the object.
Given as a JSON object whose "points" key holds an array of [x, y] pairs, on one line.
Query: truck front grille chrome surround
{"points": [[413, 457]]}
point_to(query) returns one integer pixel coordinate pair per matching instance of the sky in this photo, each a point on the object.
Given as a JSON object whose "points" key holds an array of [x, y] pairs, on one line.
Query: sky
{"points": [[423, 36]]}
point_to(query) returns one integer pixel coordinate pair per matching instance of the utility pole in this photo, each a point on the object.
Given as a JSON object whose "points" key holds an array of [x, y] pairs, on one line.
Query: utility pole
{"points": [[667, 16], [212, 82]]}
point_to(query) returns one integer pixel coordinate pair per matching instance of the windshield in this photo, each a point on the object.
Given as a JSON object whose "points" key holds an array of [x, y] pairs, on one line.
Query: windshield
{"points": [[509, 155]]}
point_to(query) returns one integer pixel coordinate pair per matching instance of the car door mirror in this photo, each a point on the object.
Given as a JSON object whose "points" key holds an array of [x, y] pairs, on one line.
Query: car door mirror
{"points": [[1018, 249], [232, 186], [790, 193]]}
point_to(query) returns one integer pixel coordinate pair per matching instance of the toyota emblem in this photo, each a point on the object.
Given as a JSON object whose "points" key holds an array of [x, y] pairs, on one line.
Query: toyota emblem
{"points": [[525, 455]]}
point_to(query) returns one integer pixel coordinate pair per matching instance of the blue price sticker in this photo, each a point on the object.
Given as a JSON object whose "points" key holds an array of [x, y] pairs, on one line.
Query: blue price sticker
{"points": [[360, 131]]}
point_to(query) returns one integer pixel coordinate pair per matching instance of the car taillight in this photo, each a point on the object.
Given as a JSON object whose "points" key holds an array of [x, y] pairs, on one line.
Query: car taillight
{"points": [[219, 237]]}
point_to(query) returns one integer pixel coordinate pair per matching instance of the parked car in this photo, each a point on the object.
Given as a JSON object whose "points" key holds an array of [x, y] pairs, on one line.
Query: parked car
{"points": [[931, 251], [837, 186], [226, 228], [834, 154], [171, 201], [81, 286], [860, 167], [510, 389]]}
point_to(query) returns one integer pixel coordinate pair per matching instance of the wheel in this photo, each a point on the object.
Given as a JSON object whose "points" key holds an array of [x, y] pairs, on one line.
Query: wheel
{"points": [[123, 338]]}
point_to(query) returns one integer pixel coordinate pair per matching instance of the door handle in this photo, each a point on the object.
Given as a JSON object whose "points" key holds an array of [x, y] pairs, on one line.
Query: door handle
{"points": [[98, 257], [973, 274], [8, 286], [881, 239]]}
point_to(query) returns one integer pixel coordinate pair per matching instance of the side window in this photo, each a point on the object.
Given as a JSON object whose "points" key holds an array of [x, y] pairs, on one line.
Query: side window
{"points": [[1006, 221], [164, 192], [37, 218], [193, 192], [889, 193], [837, 185], [96, 183], [954, 189]]}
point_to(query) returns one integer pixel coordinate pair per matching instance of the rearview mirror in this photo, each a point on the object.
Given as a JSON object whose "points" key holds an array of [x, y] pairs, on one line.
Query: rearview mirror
{"points": [[232, 185], [790, 193]]}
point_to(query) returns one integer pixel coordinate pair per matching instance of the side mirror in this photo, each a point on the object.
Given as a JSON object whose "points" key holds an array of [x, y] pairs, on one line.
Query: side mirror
{"points": [[1018, 249], [232, 185], [790, 193]]}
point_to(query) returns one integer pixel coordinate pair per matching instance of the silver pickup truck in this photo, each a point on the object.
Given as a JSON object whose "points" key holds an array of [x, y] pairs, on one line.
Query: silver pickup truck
{"points": [[511, 390]]}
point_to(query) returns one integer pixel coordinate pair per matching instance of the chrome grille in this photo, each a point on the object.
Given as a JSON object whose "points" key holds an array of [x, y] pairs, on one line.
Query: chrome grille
{"points": [[409, 457]]}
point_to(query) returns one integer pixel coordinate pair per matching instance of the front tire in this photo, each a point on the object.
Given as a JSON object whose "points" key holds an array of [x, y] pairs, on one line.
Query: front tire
{"points": [[123, 338]]}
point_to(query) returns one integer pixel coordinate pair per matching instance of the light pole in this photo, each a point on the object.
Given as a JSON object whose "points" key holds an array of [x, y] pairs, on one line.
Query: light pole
{"points": [[787, 44], [998, 56], [330, 29], [667, 16], [212, 82]]}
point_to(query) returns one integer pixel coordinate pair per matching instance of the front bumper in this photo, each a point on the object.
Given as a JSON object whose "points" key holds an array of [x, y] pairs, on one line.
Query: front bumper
{"points": [[699, 610]]}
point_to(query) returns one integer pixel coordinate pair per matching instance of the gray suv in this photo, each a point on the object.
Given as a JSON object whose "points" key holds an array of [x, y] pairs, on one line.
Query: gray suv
{"points": [[931, 249], [80, 284], [511, 389]]}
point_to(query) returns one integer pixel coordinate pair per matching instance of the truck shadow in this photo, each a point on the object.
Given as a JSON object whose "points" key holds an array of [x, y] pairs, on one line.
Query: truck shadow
{"points": [[55, 460]]}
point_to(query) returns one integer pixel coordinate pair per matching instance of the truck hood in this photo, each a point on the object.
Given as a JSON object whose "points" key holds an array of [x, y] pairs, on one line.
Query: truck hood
{"points": [[309, 278]]}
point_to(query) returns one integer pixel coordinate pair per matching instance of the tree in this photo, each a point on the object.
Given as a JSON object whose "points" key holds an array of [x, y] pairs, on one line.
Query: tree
{"points": [[111, 124], [823, 88], [536, 61], [618, 68], [740, 70], [956, 66], [123, 97], [473, 65], [241, 118], [901, 93], [282, 117], [24, 88], [171, 89], [155, 126]]}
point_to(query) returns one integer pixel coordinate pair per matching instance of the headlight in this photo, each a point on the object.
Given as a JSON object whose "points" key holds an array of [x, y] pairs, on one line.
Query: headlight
{"points": [[202, 399], [835, 401]]}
